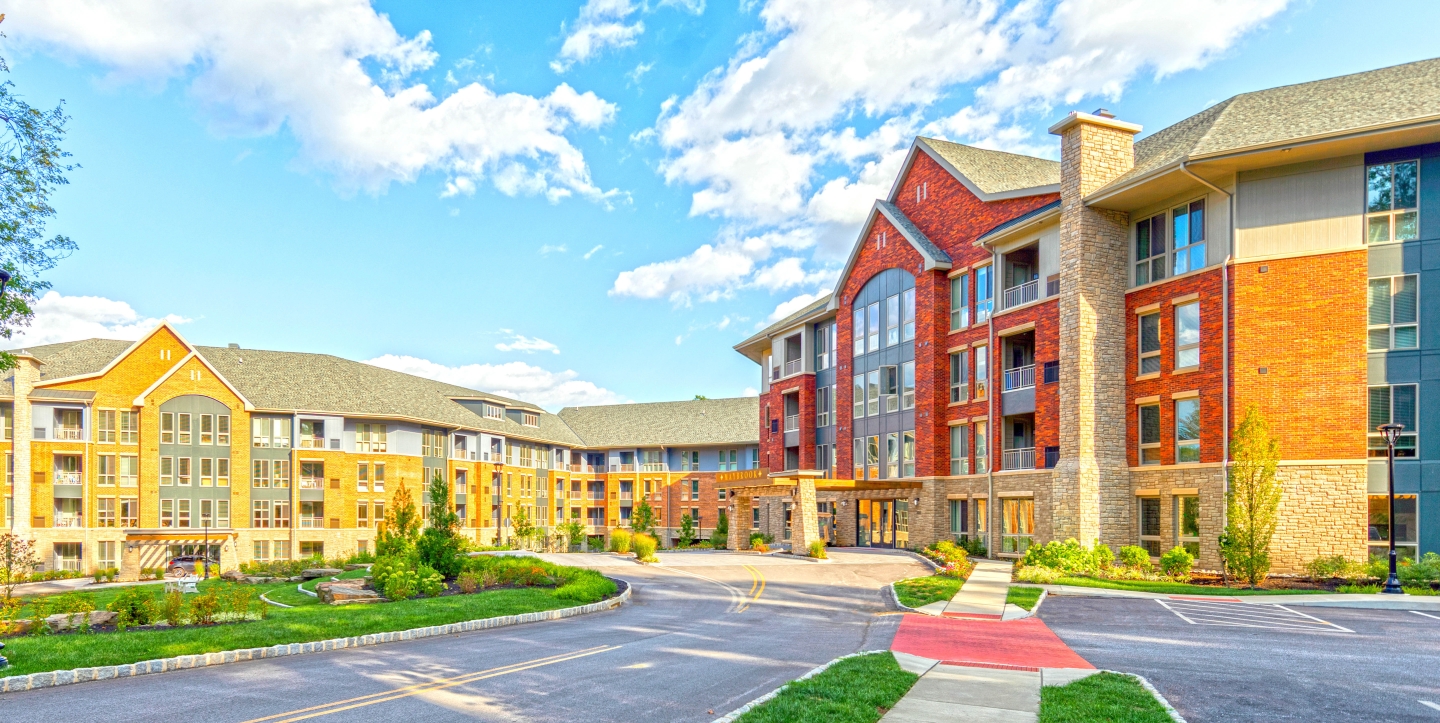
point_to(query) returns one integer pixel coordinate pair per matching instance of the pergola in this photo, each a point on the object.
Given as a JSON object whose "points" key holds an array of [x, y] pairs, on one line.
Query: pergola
{"points": [[800, 486], [139, 540]]}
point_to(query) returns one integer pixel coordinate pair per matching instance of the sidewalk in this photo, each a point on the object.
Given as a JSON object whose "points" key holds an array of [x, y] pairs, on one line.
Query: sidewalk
{"points": [[982, 596], [952, 692], [1334, 600]]}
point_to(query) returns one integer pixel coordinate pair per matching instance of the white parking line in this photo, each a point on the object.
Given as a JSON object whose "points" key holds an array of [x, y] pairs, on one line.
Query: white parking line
{"points": [[1428, 615], [1436, 706], [1245, 615]]}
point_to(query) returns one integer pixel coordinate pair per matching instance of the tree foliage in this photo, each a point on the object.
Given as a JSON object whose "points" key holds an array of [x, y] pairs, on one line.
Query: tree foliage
{"points": [[687, 530], [17, 560], [397, 535], [1253, 503], [440, 544], [32, 166], [720, 537], [523, 528], [642, 519]]}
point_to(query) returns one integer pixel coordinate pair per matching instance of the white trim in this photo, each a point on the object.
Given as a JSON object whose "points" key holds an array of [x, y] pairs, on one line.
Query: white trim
{"points": [[879, 208], [140, 400]]}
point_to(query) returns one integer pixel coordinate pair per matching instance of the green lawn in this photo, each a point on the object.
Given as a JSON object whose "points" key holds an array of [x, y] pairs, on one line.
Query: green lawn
{"points": [[1101, 698], [919, 591], [1174, 588], [1024, 597], [854, 690], [307, 622]]}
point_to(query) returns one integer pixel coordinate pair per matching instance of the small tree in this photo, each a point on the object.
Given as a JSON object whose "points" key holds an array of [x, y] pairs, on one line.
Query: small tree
{"points": [[642, 520], [440, 543], [687, 531], [574, 532], [721, 536], [17, 561], [1253, 502], [397, 535], [524, 529]]}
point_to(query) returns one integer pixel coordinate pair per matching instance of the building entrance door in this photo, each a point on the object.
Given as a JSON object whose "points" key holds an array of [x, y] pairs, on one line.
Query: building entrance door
{"points": [[882, 523]]}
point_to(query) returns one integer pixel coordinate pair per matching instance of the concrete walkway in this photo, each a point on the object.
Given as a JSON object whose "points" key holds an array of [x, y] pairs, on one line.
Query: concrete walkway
{"points": [[960, 693], [982, 595], [1334, 600]]}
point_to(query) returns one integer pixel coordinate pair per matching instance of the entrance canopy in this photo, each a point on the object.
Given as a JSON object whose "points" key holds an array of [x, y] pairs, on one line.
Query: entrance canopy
{"points": [[174, 536], [755, 483]]}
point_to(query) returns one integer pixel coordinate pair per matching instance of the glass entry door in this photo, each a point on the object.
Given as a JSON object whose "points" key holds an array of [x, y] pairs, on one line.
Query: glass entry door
{"points": [[879, 525]]}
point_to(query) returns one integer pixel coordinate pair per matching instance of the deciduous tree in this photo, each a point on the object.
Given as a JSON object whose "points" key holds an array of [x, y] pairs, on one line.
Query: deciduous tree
{"points": [[1253, 502]]}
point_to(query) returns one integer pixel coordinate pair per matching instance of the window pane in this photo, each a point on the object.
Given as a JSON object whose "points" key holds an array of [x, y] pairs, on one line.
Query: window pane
{"points": [[1380, 338], [1378, 229], [1406, 290], [858, 329], [1377, 188], [1190, 516], [907, 314], [872, 324], [1379, 301], [1197, 223], [1150, 516], [1407, 226], [1404, 185], [1150, 424], [1406, 337], [1150, 333], [1187, 335], [1402, 403], [1142, 240], [1182, 227], [892, 320], [1379, 407], [857, 396], [1142, 273]]}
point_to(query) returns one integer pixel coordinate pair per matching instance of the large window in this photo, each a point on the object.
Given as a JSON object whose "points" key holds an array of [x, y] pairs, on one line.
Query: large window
{"points": [[892, 455], [907, 385], [858, 330], [1187, 519], [960, 449], [1149, 343], [1187, 335], [872, 327], [1150, 525], [959, 519], [872, 457], [982, 447], [1149, 434], [982, 372], [105, 425], [959, 377], [370, 438], [129, 428], [984, 294], [1403, 526], [824, 401], [1150, 251], [872, 392], [857, 397], [1394, 312], [1189, 222], [907, 315], [1390, 202], [907, 454], [1017, 524], [892, 320], [890, 388], [1187, 430], [824, 346], [1393, 404], [960, 302]]}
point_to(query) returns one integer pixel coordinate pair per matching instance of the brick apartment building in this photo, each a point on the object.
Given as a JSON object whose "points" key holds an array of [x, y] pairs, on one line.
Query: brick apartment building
{"points": [[122, 454], [1025, 350]]}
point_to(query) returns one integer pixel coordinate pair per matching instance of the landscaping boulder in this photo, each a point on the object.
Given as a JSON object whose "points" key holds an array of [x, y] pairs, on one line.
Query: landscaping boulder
{"points": [[64, 621], [356, 566], [232, 575], [341, 592], [314, 572]]}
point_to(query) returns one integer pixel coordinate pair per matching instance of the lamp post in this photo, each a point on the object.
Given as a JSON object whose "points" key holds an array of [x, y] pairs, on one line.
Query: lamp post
{"points": [[1392, 435], [206, 555]]}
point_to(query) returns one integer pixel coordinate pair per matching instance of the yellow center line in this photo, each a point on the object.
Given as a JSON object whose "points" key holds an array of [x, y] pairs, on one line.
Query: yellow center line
{"points": [[418, 688], [756, 590]]}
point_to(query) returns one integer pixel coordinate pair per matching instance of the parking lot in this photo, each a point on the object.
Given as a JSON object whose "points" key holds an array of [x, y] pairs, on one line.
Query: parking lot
{"points": [[1233, 661]]}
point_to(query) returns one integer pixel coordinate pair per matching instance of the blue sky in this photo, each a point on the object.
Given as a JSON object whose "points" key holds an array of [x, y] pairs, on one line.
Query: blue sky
{"points": [[596, 200]]}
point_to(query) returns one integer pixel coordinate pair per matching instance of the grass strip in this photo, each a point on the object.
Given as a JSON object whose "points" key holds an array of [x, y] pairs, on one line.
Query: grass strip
{"points": [[1175, 588], [1024, 597], [854, 690], [1103, 697], [307, 623], [919, 591]]}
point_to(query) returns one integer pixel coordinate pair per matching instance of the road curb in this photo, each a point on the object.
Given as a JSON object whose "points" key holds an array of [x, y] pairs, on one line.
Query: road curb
{"points": [[1033, 610], [1174, 714], [895, 597], [34, 681], [742, 710]]}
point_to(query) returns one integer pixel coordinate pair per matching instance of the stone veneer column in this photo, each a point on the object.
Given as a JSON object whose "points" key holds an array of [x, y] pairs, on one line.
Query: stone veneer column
{"points": [[27, 373], [805, 519], [739, 537], [1091, 482]]}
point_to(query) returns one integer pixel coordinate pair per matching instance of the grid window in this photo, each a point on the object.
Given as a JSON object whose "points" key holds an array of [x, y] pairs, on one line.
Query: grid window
{"points": [[872, 457], [260, 513], [1017, 524], [207, 429], [167, 513], [1394, 404], [222, 514], [106, 469], [824, 399], [982, 372], [222, 472], [167, 428], [260, 473], [960, 302], [167, 471], [982, 447], [892, 455], [857, 397], [959, 377], [1150, 434], [1187, 523], [872, 327], [892, 320], [1394, 303], [1149, 344], [1403, 526], [362, 514], [1150, 525], [984, 294], [907, 315], [105, 426], [858, 330], [282, 513], [207, 472], [1189, 224], [182, 471], [129, 512], [129, 470], [1391, 211], [872, 392], [890, 388], [907, 385], [377, 480], [362, 477], [1187, 430], [105, 511], [960, 449], [907, 454], [1187, 335], [222, 429], [182, 428], [1150, 251]]}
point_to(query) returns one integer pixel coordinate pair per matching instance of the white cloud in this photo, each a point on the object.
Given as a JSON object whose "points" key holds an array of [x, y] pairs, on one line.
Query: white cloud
{"points": [[601, 25], [592, 251], [679, 340], [787, 308], [254, 67], [639, 72], [68, 318], [547, 249], [527, 344], [750, 392], [713, 271], [519, 380]]}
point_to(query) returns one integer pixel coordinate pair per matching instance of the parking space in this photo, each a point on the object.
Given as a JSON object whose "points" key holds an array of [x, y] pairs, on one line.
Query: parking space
{"points": [[1232, 613], [1234, 661]]}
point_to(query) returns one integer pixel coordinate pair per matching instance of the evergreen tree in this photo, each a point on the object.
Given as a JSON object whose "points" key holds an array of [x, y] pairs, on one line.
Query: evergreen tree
{"points": [[397, 535], [642, 519], [440, 544], [720, 538], [1253, 503]]}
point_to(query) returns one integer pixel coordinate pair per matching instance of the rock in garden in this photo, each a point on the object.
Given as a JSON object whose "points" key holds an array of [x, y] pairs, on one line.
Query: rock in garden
{"points": [[345, 591], [356, 566], [64, 621], [315, 572], [232, 575]]}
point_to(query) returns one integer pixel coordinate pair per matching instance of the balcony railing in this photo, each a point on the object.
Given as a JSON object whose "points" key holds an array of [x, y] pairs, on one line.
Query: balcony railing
{"points": [[311, 483], [792, 422], [1022, 294], [67, 478], [1019, 378], [654, 467], [1019, 458], [312, 443], [312, 522], [74, 433], [792, 367], [623, 467]]}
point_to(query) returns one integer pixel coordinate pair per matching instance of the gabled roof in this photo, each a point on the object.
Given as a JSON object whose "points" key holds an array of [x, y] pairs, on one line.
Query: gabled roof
{"points": [[701, 422], [935, 257], [1049, 209], [787, 322], [1373, 100], [990, 175]]}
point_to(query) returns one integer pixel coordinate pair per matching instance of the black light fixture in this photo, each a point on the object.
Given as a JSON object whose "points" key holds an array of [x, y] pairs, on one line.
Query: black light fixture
{"points": [[4, 279], [1392, 435]]}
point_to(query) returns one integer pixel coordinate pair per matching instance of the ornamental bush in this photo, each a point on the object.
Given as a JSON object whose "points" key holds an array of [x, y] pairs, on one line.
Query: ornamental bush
{"points": [[817, 550], [1177, 563], [620, 541], [133, 606], [644, 546], [1068, 556], [1135, 558], [720, 537]]}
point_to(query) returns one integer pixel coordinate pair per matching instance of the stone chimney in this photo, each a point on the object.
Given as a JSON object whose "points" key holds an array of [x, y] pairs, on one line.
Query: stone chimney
{"points": [[1091, 483], [27, 374]]}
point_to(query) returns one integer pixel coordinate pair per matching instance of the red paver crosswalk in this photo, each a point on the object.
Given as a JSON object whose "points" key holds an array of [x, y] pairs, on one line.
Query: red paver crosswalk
{"points": [[1026, 643]]}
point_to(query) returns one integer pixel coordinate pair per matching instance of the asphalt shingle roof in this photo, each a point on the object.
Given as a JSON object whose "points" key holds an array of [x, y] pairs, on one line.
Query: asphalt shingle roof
{"points": [[996, 171], [670, 424], [790, 320], [1354, 102]]}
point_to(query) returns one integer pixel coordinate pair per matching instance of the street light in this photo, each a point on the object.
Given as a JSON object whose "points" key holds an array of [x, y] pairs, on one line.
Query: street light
{"points": [[1392, 435]]}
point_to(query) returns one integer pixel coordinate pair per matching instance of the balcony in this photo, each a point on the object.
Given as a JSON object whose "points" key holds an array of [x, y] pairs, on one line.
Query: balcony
{"points": [[1022, 294], [312, 483], [70, 433], [654, 467], [1020, 378], [792, 422], [312, 523], [69, 521], [792, 367], [67, 478], [623, 467], [1019, 458], [312, 443]]}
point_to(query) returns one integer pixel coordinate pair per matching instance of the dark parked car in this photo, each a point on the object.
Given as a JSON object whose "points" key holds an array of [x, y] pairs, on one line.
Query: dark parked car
{"points": [[185, 564]]}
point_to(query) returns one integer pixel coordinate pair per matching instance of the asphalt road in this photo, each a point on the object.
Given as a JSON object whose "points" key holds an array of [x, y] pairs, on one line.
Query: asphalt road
{"points": [[1237, 663], [702, 637]]}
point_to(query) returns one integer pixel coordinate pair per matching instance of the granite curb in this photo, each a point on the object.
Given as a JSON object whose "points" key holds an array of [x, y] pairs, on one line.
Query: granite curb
{"points": [[742, 710], [34, 681]]}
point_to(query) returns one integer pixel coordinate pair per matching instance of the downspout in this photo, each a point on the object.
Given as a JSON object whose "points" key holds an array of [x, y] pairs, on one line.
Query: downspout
{"points": [[990, 421], [1224, 338]]}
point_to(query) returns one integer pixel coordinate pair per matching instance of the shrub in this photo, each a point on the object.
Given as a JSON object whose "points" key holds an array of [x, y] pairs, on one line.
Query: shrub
{"points": [[1041, 575], [642, 519], [429, 581], [974, 546], [204, 607], [687, 531], [644, 547], [720, 537], [401, 584], [1426, 569], [1068, 556], [133, 606], [468, 582], [1177, 563], [440, 545], [1101, 557], [817, 550], [946, 552], [172, 608], [620, 541], [587, 587], [1335, 566], [1360, 589], [386, 567], [239, 598], [1134, 557]]}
